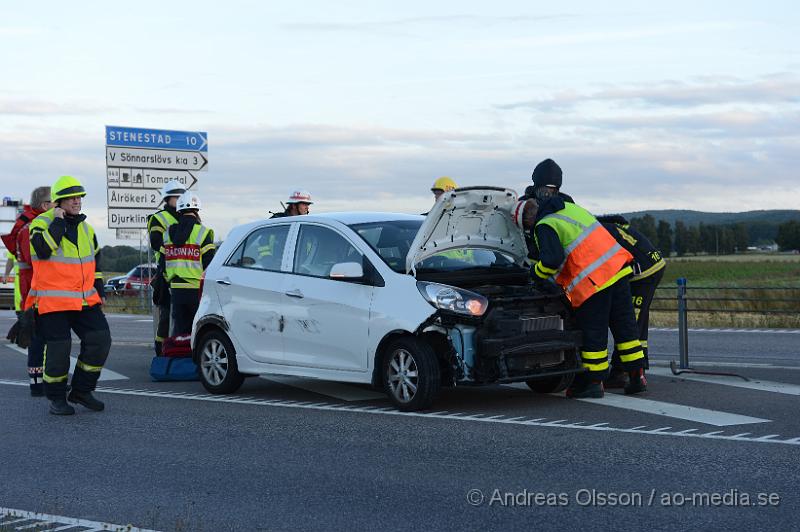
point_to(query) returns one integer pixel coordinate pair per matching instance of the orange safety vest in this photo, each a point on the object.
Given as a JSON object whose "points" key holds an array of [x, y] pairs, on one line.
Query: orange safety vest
{"points": [[594, 260], [65, 280]]}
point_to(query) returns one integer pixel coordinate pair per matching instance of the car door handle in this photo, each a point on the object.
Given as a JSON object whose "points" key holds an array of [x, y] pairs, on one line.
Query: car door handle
{"points": [[295, 293], [226, 282]]}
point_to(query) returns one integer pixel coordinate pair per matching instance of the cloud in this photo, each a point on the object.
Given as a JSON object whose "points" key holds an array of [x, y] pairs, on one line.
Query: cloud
{"points": [[438, 21], [775, 89], [32, 107]]}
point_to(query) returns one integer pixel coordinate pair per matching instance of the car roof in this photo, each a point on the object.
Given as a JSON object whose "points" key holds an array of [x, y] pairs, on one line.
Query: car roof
{"points": [[347, 218]]}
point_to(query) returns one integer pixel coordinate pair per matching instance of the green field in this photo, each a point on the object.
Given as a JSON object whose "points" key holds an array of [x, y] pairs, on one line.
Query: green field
{"points": [[733, 291]]}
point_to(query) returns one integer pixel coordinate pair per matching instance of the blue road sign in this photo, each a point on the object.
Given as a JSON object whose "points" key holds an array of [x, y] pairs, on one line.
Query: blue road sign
{"points": [[133, 137]]}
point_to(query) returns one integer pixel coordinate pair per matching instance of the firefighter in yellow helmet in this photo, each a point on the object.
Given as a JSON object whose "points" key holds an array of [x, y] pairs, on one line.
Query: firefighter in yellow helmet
{"points": [[67, 293], [442, 185]]}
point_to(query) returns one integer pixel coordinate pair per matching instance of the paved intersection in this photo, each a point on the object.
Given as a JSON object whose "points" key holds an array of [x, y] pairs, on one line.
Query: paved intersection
{"points": [[298, 453]]}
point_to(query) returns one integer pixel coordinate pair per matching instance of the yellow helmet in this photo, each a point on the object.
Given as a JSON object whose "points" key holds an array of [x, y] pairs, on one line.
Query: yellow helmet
{"points": [[444, 183], [66, 186]]}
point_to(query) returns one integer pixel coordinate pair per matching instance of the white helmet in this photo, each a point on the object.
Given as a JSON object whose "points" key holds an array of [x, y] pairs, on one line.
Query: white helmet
{"points": [[300, 196], [188, 200], [173, 189]]}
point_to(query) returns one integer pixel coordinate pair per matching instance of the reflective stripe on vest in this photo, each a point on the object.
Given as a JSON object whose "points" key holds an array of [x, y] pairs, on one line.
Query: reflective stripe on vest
{"points": [[164, 220], [185, 262], [65, 280], [592, 257]]}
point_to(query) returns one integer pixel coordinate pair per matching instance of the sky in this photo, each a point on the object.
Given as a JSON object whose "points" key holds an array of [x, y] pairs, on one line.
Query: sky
{"points": [[657, 105]]}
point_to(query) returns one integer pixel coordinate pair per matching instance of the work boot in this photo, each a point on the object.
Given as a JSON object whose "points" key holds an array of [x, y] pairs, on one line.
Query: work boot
{"points": [[86, 399], [637, 382], [157, 347], [617, 378], [37, 389], [60, 407], [589, 389]]}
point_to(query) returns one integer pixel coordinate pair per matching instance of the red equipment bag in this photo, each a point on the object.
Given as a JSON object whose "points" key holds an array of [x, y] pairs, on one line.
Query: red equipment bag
{"points": [[177, 347]]}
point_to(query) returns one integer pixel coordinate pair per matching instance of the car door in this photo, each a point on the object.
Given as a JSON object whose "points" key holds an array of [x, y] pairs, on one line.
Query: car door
{"points": [[251, 287], [327, 320]]}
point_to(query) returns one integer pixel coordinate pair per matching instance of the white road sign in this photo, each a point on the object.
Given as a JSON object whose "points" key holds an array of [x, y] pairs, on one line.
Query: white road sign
{"points": [[148, 178], [140, 161], [127, 197], [127, 218], [117, 156], [130, 234]]}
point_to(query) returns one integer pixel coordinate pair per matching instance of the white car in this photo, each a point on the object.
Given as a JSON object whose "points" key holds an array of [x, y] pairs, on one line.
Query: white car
{"points": [[408, 303]]}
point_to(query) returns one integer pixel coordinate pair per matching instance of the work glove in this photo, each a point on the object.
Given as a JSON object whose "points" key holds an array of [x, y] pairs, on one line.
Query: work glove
{"points": [[545, 286]]}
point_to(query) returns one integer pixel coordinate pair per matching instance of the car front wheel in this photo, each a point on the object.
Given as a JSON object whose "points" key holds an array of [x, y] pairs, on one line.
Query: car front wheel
{"points": [[411, 374], [219, 372]]}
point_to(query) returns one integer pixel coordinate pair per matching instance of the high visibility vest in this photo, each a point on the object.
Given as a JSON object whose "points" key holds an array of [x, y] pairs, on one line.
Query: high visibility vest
{"points": [[17, 293], [160, 221], [65, 280], [594, 260], [184, 263]]}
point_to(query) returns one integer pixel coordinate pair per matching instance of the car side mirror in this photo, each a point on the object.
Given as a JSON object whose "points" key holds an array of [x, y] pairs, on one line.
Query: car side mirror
{"points": [[347, 271]]}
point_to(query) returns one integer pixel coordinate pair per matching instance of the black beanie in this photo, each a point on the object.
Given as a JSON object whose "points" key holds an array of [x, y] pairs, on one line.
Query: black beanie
{"points": [[547, 173]]}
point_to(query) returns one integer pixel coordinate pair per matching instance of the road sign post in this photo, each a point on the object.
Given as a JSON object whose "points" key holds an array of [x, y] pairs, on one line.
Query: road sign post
{"points": [[139, 161]]}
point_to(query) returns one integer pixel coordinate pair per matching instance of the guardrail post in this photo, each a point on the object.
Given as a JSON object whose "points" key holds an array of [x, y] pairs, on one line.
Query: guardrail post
{"points": [[683, 324]]}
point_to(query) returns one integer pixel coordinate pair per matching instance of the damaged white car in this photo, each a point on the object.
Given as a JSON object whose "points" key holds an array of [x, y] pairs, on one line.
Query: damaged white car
{"points": [[407, 303]]}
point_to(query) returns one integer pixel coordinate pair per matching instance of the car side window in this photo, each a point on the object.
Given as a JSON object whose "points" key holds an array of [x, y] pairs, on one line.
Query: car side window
{"points": [[262, 249], [319, 248]]}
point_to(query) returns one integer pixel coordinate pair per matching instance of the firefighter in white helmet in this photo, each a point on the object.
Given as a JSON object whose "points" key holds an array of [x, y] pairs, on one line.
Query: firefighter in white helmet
{"points": [[297, 204], [157, 225], [187, 252]]}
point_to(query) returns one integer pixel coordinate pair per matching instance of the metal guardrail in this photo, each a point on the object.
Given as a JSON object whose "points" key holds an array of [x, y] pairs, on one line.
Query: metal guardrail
{"points": [[687, 302]]}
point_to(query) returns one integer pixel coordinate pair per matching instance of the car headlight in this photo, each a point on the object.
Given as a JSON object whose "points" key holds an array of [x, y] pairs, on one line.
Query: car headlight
{"points": [[453, 299]]}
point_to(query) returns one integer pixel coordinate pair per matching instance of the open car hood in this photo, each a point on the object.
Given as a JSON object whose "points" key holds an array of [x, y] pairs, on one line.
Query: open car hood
{"points": [[470, 217]]}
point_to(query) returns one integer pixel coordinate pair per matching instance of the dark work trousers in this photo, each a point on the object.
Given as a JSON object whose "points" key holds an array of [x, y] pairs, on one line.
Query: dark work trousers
{"points": [[162, 330], [91, 327], [642, 293], [184, 306], [36, 360], [609, 308]]}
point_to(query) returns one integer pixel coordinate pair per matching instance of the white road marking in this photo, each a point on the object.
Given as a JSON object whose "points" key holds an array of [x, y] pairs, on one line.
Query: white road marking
{"points": [[688, 413], [660, 408], [43, 520], [105, 375], [150, 320], [339, 390], [762, 386], [519, 421]]}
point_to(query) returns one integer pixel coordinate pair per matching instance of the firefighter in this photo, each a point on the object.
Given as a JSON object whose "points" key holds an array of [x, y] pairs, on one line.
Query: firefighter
{"points": [[547, 178], [298, 204], [442, 185], [67, 293], [157, 225], [648, 268], [40, 202], [591, 268], [187, 251]]}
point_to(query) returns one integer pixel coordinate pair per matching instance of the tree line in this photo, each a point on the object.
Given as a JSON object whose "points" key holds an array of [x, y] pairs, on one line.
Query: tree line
{"points": [[701, 238], [120, 258]]}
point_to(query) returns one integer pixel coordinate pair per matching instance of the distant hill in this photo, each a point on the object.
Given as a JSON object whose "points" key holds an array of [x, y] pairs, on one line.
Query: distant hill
{"points": [[772, 217]]}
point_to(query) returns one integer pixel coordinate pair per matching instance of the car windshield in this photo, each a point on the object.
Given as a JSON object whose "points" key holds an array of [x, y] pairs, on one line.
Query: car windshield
{"points": [[392, 240]]}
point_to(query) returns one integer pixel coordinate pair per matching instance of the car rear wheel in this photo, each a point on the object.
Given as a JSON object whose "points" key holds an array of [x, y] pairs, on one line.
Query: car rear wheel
{"points": [[550, 384], [219, 372], [411, 374]]}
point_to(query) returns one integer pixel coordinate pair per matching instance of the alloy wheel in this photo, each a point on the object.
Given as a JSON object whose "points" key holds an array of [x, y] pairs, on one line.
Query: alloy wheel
{"points": [[403, 375], [214, 362]]}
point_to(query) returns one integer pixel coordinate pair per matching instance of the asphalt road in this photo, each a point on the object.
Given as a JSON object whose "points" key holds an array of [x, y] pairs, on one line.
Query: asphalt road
{"points": [[299, 454]]}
